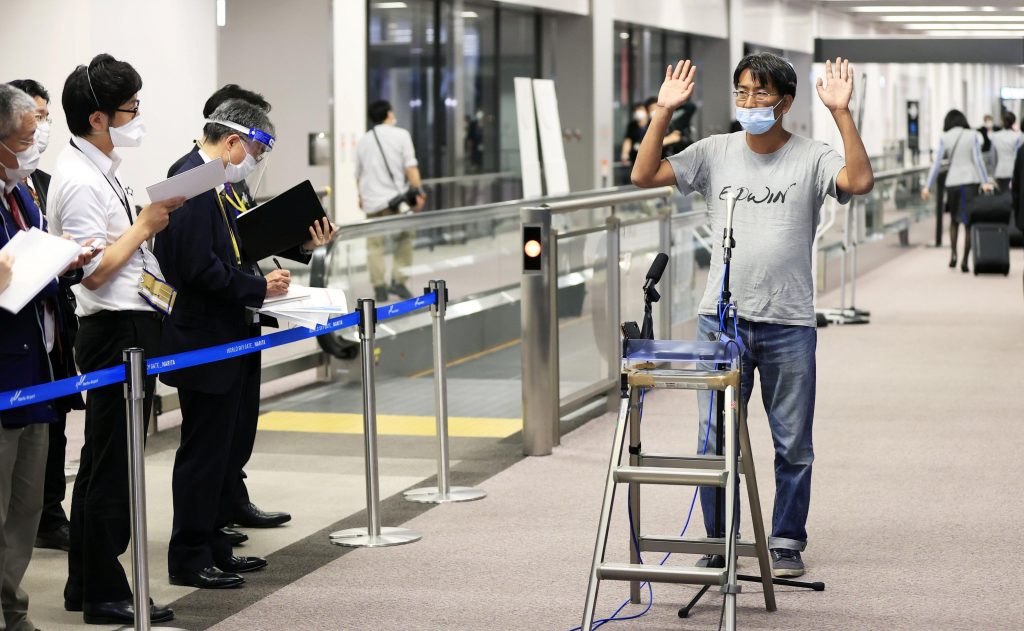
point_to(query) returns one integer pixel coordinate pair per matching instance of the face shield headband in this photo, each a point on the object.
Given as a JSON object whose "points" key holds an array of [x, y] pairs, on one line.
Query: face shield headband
{"points": [[255, 135]]}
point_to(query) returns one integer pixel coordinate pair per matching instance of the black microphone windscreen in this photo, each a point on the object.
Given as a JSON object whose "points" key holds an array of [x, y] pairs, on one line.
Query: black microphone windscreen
{"points": [[657, 267]]}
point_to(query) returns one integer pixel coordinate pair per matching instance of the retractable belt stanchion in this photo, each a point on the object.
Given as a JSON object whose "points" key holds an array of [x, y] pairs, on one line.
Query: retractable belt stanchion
{"points": [[443, 492], [134, 393], [373, 536]]}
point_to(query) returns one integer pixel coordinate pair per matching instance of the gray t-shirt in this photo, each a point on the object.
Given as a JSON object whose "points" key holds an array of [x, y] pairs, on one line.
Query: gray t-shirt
{"points": [[780, 198]]}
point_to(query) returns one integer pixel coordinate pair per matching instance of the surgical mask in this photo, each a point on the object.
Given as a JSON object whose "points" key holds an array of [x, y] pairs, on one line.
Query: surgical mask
{"points": [[27, 162], [42, 136], [756, 120], [640, 117], [129, 134], [235, 173]]}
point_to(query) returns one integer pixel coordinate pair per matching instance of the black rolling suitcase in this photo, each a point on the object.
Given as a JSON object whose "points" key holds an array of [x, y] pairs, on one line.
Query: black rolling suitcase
{"points": [[990, 249]]}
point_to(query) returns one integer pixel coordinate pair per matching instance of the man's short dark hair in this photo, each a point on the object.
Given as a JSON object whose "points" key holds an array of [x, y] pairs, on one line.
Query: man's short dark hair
{"points": [[955, 118], [379, 111], [102, 86], [769, 70], [33, 88], [649, 101], [1008, 120], [234, 91]]}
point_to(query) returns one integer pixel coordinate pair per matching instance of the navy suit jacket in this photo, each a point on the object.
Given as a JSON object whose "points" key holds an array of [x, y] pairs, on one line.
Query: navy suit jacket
{"points": [[23, 360], [196, 258]]}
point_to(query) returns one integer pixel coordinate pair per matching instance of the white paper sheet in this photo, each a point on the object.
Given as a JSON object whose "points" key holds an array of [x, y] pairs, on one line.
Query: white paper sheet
{"points": [[38, 258], [190, 183], [316, 308]]}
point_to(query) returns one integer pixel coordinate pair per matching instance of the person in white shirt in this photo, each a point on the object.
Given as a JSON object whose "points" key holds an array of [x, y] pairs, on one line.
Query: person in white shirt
{"points": [[1005, 144], [386, 168], [117, 307]]}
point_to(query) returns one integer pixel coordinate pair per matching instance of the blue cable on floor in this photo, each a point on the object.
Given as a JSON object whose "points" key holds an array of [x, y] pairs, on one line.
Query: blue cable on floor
{"points": [[632, 535]]}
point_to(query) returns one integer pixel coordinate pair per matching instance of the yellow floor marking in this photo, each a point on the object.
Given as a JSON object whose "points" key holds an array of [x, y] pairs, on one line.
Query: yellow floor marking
{"points": [[387, 424]]}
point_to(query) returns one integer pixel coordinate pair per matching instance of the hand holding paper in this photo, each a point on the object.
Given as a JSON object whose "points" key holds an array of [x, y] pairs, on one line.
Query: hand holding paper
{"points": [[6, 266], [37, 258]]}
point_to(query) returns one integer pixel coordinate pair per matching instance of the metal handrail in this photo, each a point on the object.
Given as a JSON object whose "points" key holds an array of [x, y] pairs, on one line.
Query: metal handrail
{"points": [[439, 218], [600, 201], [459, 179]]}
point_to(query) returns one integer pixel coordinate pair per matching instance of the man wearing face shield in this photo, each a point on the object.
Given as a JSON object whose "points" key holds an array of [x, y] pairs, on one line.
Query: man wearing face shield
{"points": [[202, 257], [238, 198], [54, 528], [120, 304], [780, 181]]}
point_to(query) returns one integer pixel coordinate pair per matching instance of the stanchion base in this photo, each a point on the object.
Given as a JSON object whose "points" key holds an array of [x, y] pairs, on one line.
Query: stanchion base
{"points": [[432, 495], [361, 537]]}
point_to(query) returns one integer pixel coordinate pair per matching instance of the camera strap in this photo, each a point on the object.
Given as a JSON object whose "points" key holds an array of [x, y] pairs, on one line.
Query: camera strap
{"points": [[387, 165]]}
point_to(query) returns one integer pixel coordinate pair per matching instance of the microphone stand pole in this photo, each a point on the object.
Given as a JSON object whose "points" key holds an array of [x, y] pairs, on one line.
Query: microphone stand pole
{"points": [[718, 527]]}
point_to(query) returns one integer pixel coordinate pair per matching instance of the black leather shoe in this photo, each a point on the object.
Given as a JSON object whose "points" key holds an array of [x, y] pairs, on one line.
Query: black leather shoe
{"points": [[400, 290], [123, 612], [207, 578], [241, 565], [249, 516], [57, 539], [72, 598], [236, 538]]}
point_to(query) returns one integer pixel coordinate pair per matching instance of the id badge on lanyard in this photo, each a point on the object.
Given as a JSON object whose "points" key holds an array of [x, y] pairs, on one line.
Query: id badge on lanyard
{"points": [[157, 292]]}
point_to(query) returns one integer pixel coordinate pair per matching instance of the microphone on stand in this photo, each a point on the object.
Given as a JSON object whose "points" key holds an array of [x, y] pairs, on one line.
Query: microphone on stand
{"points": [[651, 294]]}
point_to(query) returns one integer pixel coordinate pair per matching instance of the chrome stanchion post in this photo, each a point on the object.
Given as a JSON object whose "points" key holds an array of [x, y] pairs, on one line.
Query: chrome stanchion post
{"points": [[373, 536], [443, 492], [134, 392]]}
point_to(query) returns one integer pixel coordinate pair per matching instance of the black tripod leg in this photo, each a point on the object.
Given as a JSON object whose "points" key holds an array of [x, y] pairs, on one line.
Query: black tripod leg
{"points": [[684, 612], [817, 586]]}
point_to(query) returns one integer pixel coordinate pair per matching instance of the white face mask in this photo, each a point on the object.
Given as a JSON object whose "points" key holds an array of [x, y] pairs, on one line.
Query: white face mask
{"points": [[129, 134], [235, 173], [27, 162], [42, 136]]}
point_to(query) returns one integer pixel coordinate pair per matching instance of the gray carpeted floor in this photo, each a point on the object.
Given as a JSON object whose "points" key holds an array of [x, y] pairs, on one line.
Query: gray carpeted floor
{"points": [[914, 519]]}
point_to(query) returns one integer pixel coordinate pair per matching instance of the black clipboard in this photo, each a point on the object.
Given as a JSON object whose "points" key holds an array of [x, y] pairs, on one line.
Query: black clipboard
{"points": [[279, 223]]}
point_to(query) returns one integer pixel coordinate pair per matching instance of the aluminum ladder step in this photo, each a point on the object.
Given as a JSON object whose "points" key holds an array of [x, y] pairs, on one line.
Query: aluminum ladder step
{"points": [[661, 574], [659, 475]]}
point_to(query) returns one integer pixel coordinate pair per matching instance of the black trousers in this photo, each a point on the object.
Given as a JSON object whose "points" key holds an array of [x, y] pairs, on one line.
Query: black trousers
{"points": [[100, 510], [245, 435], [55, 483], [206, 473]]}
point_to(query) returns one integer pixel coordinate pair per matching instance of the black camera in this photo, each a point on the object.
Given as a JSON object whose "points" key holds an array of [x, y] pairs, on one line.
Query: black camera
{"points": [[404, 202]]}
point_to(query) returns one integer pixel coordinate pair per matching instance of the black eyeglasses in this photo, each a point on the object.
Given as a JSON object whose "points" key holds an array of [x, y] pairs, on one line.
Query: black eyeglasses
{"points": [[134, 111]]}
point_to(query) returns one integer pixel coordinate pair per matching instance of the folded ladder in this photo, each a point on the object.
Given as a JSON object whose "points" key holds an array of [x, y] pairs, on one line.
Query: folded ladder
{"points": [[651, 364]]}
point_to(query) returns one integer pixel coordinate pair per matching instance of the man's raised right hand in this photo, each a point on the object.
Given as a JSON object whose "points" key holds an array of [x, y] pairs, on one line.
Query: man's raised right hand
{"points": [[155, 217], [678, 85]]}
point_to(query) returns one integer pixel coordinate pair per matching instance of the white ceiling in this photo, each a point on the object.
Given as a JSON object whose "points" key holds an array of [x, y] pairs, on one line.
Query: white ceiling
{"points": [[958, 18]]}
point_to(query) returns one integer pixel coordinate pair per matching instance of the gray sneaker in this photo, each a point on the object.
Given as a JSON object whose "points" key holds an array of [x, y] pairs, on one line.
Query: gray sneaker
{"points": [[711, 560], [787, 562]]}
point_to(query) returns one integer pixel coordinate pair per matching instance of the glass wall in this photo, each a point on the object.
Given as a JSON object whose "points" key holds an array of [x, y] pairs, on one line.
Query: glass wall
{"points": [[440, 69]]}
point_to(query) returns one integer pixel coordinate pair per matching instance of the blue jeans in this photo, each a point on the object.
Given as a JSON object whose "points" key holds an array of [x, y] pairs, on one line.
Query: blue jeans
{"points": [[784, 357]]}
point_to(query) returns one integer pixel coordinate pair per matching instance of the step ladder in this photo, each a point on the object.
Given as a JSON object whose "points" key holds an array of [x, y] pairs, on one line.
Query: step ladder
{"points": [[651, 364]]}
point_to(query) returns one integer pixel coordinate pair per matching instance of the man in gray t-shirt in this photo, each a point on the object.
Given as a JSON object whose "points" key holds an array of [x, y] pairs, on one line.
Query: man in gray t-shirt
{"points": [[780, 181]]}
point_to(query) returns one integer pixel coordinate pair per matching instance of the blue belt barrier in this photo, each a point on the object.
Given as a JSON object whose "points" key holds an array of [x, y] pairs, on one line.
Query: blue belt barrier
{"points": [[158, 365]]}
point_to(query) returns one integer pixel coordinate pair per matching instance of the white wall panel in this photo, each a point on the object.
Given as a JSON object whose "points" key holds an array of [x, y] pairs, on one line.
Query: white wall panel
{"points": [[700, 17], [172, 44], [579, 7]]}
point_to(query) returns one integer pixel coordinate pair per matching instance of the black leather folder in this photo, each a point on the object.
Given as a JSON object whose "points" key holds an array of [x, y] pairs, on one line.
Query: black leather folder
{"points": [[280, 223]]}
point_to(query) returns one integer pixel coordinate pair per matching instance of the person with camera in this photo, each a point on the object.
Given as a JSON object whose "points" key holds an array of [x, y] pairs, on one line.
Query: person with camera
{"points": [[389, 182]]}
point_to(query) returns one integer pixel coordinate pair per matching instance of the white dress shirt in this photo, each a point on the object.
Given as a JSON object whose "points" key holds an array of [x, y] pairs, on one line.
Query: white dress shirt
{"points": [[87, 201]]}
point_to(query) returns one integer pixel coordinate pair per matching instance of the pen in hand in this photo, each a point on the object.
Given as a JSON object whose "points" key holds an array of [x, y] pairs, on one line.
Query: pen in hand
{"points": [[276, 262]]}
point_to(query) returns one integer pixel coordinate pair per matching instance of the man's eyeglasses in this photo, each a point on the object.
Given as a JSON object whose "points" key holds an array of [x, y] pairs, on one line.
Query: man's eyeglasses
{"points": [[43, 119], [759, 97], [133, 111]]}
